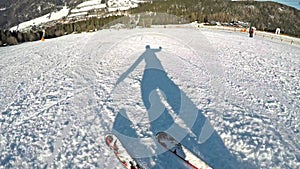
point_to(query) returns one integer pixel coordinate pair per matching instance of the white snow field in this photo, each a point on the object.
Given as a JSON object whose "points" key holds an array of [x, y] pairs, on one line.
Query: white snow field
{"points": [[43, 19], [232, 100]]}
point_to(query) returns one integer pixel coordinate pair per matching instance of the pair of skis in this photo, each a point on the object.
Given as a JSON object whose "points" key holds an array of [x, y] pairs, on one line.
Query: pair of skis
{"points": [[165, 140]]}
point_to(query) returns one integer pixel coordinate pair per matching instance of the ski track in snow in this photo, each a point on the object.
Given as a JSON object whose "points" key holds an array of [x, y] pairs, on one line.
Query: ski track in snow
{"points": [[59, 98]]}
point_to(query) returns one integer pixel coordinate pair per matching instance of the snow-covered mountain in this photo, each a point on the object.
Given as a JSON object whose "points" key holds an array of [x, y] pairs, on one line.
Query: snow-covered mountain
{"points": [[230, 99], [205, 10], [15, 12], [86, 9], [52, 16], [98, 8]]}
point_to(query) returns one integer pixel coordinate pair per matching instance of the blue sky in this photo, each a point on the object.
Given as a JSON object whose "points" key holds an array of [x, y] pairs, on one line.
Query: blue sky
{"points": [[293, 3]]}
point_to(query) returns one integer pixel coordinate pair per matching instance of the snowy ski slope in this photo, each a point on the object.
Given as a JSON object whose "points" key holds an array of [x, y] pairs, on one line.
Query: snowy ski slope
{"points": [[231, 100]]}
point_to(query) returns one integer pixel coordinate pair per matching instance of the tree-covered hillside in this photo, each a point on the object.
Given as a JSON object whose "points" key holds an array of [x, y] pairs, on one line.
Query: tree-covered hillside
{"points": [[263, 15]]}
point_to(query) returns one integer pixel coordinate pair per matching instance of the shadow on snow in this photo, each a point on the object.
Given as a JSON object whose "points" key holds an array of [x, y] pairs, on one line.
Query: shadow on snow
{"points": [[165, 102]]}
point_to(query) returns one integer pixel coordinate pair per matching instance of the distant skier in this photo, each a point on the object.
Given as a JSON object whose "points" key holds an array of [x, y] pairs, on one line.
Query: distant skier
{"points": [[43, 36], [251, 32], [277, 31]]}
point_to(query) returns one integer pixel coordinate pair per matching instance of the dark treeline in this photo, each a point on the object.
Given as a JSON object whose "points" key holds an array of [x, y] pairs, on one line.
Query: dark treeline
{"points": [[266, 16], [56, 30]]}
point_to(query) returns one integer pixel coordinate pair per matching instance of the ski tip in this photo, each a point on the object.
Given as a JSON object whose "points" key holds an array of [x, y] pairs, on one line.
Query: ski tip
{"points": [[160, 132], [109, 138], [109, 135]]}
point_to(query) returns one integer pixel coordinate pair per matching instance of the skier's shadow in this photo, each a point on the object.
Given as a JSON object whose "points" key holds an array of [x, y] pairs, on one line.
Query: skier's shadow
{"points": [[158, 92]]}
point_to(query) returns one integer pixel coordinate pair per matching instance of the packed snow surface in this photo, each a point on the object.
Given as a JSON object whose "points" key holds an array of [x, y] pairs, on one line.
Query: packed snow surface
{"points": [[232, 100]]}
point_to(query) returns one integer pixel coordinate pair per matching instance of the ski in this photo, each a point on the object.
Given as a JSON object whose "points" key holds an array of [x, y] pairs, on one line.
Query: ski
{"points": [[120, 152], [168, 142]]}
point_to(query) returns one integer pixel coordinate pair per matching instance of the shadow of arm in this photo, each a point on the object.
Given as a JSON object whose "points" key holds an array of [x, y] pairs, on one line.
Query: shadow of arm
{"points": [[129, 70], [157, 50]]}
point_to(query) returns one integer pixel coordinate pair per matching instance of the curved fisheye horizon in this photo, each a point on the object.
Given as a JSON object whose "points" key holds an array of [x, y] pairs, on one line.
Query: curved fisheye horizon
{"points": [[150, 90]]}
